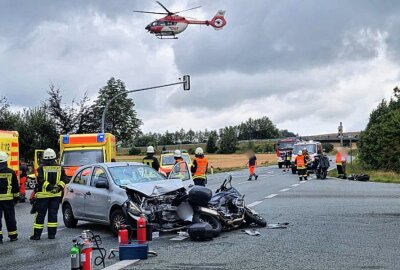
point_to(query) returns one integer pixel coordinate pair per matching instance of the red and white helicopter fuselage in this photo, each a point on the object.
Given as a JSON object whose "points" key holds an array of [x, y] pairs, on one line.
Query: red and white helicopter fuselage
{"points": [[172, 25]]}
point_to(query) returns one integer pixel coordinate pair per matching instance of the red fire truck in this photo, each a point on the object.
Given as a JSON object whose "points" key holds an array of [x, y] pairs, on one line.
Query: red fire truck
{"points": [[282, 147]]}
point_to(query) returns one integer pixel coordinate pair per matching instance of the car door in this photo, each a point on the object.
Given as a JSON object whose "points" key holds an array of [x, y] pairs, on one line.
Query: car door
{"points": [[97, 199], [181, 171], [76, 191]]}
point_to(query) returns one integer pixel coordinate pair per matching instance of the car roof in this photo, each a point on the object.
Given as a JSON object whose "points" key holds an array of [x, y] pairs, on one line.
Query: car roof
{"points": [[116, 164]]}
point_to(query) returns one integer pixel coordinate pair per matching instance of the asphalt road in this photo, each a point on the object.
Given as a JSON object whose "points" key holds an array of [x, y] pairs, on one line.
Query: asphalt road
{"points": [[334, 224]]}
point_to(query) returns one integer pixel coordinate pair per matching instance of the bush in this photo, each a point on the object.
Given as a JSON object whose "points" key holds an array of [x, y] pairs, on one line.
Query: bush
{"points": [[268, 148], [211, 146], [191, 151], [134, 151], [328, 147]]}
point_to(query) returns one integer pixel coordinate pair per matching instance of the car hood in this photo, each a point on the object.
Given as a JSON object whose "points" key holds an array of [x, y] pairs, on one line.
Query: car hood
{"points": [[156, 188]]}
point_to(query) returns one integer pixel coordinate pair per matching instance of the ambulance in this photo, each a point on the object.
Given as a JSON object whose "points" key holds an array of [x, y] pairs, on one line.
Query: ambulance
{"points": [[9, 144], [77, 150]]}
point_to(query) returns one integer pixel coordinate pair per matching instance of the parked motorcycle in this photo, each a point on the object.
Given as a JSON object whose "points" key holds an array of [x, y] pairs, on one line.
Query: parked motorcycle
{"points": [[169, 207], [232, 209], [321, 166]]}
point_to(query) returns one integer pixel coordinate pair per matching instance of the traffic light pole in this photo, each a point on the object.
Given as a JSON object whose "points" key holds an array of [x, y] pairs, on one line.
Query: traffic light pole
{"points": [[186, 86]]}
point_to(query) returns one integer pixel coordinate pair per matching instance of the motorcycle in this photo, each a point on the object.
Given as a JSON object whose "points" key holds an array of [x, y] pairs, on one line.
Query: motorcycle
{"points": [[232, 209], [321, 166], [169, 207]]}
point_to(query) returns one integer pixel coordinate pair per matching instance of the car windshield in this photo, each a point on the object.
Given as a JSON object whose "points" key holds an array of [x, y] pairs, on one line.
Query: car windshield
{"points": [[285, 145], [125, 175], [311, 148], [170, 160], [81, 157]]}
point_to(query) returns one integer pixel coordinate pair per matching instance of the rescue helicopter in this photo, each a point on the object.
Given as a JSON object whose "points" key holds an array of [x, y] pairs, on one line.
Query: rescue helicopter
{"points": [[173, 24]]}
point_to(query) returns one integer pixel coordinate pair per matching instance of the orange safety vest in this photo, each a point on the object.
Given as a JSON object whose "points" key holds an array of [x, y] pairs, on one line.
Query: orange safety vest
{"points": [[300, 162], [338, 159], [201, 169]]}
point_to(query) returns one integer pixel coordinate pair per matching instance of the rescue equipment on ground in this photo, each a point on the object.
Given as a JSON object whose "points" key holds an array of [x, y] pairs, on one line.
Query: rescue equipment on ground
{"points": [[84, 246], [141, 229], [123, 235]]}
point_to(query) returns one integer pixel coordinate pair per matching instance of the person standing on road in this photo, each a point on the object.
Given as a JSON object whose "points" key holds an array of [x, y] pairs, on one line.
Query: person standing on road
{"points": [[178, 156], [51, 180], [199, 168], [341, 163], [9, 196], [22, 181], [150, 160], [252, 165], [288, 158], [301, 165]]}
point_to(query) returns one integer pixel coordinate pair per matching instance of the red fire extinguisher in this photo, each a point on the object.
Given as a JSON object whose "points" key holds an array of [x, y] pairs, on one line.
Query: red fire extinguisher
{"points": [[86, 251], [123, 237], [141, 229]]}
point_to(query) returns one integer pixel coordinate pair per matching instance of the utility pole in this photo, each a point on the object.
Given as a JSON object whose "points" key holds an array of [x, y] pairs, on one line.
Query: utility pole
{"points": [[186, 87], [340, 133]]}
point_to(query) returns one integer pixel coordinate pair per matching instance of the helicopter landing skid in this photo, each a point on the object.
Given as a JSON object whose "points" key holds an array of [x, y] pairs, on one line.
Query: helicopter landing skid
{"points": [[166, 37]]}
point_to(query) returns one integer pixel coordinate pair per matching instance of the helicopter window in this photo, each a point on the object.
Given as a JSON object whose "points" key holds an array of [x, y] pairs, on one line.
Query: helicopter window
{"points": [[154, 24], [170, 23], [161, 23]]}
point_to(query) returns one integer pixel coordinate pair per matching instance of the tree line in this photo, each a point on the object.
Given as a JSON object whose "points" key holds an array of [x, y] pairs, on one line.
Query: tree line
{"points": [[379, 143], [40, 127], [223, 140]]}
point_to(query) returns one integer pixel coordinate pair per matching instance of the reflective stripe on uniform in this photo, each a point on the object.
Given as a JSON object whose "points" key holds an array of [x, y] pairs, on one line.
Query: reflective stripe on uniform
{"points": [[12, 233], [52, 224], [44, 193], [8, 195]]}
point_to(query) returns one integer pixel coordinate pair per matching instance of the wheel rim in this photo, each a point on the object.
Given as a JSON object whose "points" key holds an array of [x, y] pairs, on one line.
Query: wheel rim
{"points": [[118, 220], [209, 220]]}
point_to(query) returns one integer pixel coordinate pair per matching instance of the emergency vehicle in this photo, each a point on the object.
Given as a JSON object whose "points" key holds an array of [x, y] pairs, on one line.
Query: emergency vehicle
{"points": [[167, 161], [313, 148], [77, 150], [282, 147], [9, 144]]}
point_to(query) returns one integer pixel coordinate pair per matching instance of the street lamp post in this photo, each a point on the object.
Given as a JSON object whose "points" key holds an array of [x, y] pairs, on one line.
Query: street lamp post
{"points": [[186, 86]]}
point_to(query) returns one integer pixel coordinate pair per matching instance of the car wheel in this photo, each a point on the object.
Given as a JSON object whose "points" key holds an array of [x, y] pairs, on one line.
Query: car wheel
{"points": [[68, 216], [117, 218]]}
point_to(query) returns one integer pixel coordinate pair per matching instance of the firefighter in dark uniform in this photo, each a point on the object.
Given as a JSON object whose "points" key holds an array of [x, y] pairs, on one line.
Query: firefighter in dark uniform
{"points": [[9, 196], [199, 168], [150, 160], [51, 180]]}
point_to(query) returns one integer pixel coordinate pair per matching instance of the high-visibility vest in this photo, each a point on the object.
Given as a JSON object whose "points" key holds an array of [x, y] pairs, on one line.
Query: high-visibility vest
{"points": [[300, 161], [43, 193], [201, 169], [148, 161], [338, 159], [8, 195]]}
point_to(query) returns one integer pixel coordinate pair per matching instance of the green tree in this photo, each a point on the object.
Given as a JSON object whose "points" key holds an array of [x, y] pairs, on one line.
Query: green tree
{"points": [[228, 140], [211, 146], [121, 119], [379, 144]]}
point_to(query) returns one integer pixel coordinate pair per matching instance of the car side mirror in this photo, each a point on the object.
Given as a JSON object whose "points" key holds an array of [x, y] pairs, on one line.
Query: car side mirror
{"points": [[102, 183]]}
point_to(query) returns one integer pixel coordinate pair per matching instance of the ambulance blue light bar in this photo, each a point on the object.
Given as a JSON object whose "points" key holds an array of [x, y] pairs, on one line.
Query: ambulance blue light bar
{"points": [[65, 139], [101, 137]]}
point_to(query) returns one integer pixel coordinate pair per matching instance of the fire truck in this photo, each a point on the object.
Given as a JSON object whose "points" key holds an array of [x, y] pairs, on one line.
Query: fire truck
{"points": [[77, 150], [9, 144], [282, 147]]}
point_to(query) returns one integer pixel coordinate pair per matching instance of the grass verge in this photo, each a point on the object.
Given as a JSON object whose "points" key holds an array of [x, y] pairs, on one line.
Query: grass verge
{"points": [[375, 175]]}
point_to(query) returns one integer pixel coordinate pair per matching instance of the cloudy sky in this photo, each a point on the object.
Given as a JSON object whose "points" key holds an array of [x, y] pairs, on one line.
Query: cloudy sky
{"points": [[305, 64]]}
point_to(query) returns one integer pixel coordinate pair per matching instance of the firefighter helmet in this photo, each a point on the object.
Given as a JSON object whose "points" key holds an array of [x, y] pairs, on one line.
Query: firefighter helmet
{"points": [[3, 157], [177, 153], [49, 154], [300, 153], [199, 151], [150, 150]]}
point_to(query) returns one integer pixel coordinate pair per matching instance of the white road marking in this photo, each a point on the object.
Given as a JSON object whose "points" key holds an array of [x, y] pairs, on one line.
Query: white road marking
{"points": [[304, 181], [271, 196], [120, 265], [244, 182], [285, 189], [295, 185], [254, 203]]}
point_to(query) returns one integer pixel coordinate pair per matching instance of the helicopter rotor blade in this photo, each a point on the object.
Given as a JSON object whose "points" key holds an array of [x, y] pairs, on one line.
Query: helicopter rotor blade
{"points": [[187, 9], [150, 12], [169, 12]]}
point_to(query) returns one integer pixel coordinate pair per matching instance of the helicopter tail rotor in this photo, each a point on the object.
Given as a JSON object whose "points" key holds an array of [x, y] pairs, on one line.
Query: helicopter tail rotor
{"points": [[218, 22]]}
